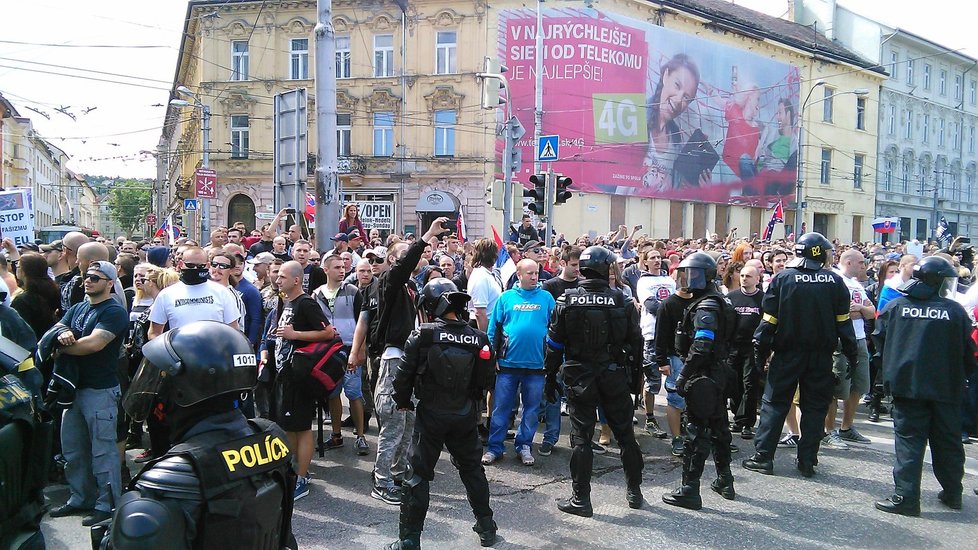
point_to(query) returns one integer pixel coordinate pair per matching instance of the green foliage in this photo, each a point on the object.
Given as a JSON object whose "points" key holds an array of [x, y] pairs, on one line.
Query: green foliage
{"points": [[130, 200]]}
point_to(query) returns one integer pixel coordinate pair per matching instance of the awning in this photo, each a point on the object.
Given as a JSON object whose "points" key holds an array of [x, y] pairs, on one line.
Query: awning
{"points": [[438, 201]]}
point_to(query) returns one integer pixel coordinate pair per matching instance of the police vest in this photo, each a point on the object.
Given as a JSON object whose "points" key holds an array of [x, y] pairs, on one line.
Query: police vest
{"points": [[25, 449], [247, 486], [726, 318], [450, 369], [596, 326]]}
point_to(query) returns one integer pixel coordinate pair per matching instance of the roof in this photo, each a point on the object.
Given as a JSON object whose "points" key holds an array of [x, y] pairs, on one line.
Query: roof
{"points": [[762, 26]]}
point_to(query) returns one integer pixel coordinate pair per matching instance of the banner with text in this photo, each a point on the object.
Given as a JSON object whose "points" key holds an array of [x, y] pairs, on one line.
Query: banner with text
{"points": [[647, 111], [16, 216], [376, 215]]}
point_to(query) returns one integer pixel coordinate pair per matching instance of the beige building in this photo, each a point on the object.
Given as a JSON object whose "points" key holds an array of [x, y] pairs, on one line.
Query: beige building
{"points": [[409, 120]]}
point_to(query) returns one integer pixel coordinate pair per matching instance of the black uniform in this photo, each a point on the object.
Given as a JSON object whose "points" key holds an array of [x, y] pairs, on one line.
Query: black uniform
{"points": [[447, 365], [743, 390], [927, 355], [595, 341], [805, 313], [25, 449]]}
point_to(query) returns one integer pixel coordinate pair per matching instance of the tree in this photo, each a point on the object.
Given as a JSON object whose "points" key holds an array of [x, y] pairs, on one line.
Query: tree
{"points": [[129, 202]]}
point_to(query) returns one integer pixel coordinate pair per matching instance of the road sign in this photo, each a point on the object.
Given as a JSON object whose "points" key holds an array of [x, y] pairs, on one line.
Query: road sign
{"points": [[206, 183], [548, 148], [190, 204], [151, 219]]}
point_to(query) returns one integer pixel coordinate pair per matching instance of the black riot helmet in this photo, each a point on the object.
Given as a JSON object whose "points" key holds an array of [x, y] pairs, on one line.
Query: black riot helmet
{"points": [[812, 251], [696, 272], [596, 262], [932, 276], [189, 365], [440, 296]]}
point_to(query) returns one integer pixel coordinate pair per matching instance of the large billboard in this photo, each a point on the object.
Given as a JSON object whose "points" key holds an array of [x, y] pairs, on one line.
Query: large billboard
{"points": [[646, 111]]}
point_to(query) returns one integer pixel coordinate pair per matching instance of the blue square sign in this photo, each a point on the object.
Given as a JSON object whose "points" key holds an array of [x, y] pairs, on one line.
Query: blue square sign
{"points": [[189, 204], [548, 148]]}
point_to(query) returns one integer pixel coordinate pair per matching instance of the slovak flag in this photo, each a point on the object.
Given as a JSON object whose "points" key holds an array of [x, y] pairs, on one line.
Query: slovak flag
{"points": [[168, 229], [310, 212], [776, 217], [460, 226], [886, 225]]}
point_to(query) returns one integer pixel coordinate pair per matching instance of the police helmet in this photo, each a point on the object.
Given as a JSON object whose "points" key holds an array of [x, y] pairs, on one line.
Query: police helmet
{"points": [[440, 296], [596, 262], [932, 276], [812, 251], [191, 364], [697, 271]]}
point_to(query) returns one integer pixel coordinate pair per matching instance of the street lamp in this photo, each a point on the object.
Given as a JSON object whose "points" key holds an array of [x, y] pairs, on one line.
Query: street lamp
{"points": [[206, 130], [800, 179]]}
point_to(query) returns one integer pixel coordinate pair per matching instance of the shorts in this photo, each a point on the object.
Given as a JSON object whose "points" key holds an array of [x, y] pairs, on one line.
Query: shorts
{"points": [[296, 407], [859, 383], [673, 399], [653, 378], [352, 385]]}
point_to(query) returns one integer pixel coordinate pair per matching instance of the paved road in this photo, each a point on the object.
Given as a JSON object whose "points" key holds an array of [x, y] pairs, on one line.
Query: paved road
{"points": [[833, 509]]}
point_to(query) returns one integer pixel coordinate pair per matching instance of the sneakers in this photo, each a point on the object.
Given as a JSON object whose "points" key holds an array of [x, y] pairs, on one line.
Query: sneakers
{"points": [[301, 488], [387, 495], [605, 437], [598, 449], [677, 446], [746, 433], [489, 458], [652, 426], [789, 440], [144, 456], [546, 449], [563, 409], [852, 435], [335, 441], [361, 446], [525, 456], [833, 441]]}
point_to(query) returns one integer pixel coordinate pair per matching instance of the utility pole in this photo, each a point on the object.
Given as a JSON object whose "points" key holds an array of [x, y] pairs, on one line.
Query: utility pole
{"points": [[538, 87], [205, 210], [328, 197], [551, 198], [160, 179]]}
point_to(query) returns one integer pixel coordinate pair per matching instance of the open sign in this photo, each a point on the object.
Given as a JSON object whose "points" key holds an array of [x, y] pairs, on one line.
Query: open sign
{"points": [[377, 215]]}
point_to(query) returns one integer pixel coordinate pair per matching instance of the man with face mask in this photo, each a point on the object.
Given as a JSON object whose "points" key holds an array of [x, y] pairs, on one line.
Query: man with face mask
{"points": [[193, 298]]}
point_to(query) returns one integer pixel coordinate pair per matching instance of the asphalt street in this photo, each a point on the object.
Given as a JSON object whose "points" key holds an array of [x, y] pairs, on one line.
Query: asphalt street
{"points": [[833, 509]]}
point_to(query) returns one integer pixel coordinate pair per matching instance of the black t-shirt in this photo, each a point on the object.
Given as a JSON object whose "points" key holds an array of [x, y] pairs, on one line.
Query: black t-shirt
{"points": [[748, 314], [98, 370], [36, 310], [668, 318], [313, 277], [303, 314], [556, 286]]}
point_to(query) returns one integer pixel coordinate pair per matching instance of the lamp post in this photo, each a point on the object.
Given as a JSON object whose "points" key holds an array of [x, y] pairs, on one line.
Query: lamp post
{"points": [[205, 153], [800, 180]]}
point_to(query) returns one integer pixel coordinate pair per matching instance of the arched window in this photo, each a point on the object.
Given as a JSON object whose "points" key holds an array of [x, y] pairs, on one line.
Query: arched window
{"points": [[241, 209]]}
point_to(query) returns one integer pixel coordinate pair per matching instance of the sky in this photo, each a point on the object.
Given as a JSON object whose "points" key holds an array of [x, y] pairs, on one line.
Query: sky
{"points": [[125, 113]]}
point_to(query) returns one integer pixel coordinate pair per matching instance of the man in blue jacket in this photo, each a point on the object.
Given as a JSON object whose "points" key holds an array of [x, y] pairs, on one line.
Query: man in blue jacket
{"points": [[518, 330]]}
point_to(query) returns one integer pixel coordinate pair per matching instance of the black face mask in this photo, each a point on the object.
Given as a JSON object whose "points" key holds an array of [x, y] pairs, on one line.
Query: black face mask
{"points": [[194, 276]]}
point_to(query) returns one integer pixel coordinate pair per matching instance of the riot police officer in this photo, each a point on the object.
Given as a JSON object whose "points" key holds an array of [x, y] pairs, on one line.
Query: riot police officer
{"points": [[228, 481], [702, 339], [925, 342], [595, 342], [447, 366], [805, 313]]}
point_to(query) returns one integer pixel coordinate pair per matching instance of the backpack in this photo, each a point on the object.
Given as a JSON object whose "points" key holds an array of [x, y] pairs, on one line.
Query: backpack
{"points": [[321, 365]]}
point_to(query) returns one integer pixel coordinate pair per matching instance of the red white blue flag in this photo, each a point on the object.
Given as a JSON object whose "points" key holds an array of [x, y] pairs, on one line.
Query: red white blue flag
{"points": [[776, 217]]}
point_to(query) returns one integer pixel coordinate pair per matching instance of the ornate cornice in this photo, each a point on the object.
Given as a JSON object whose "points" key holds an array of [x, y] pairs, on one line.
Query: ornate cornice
{"points": [[382, 100], [444, 98]]}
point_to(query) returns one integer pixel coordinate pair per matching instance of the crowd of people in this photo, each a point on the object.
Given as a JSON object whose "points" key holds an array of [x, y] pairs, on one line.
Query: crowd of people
{"points": [[89, 307]]}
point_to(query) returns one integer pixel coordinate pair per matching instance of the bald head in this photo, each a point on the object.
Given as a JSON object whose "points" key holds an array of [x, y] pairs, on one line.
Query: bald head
{"points": [[91, 252], [849, 262], [291, 269], [528, 274], [72, 242]]}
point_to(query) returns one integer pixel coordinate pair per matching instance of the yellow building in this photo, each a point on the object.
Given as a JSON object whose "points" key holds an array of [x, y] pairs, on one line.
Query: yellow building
{"points": [[410, 123]]}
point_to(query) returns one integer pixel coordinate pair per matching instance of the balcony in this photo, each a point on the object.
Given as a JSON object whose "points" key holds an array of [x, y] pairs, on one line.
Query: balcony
{"points": [[351, 165]]}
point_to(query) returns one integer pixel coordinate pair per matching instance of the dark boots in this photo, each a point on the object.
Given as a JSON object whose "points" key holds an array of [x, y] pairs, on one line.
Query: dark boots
{"points": [[486, 528], [723, 485], [577, 506], [686, 496], [633, 495]]}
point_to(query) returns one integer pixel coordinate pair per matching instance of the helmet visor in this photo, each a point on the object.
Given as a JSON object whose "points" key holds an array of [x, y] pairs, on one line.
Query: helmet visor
{"points": [[143, 391], [948, 288], [691, 278]]}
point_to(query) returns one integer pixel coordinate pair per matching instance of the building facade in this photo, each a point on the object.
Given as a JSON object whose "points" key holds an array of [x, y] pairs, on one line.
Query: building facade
{"points": [[31, 161]]}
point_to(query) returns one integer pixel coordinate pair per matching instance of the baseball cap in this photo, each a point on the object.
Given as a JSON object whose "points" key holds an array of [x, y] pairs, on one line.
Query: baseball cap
{"points": [[354, 234], [56, 245], [530, 246], [157, 255], [340, 237], [379, 252], [104, 268], [262, 258]]}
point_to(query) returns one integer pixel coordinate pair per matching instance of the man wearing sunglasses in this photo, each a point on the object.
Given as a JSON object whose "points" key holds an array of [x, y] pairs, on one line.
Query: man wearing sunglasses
{"points": [[533, 250]]}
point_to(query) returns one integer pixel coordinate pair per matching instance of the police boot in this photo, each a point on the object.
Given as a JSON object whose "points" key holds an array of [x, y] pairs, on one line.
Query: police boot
{"points": [[898, 504], [577, 506], [486, 528], [723, 485], [633, 495], [405, 544], [688, 494]]}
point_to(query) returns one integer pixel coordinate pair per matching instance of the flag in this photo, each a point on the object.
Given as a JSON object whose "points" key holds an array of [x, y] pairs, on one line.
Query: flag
{"points": [[886, 225], [943, 231], [168, 229], [310, 212], [776, 217], [504, 263], [460, 226]]}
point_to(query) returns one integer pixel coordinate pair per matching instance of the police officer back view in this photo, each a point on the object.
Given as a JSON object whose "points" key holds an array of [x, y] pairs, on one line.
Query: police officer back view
{"points": [[447, 366], [806, 312], [925, 341], [228, 481], [594, 340], [702, 339]]}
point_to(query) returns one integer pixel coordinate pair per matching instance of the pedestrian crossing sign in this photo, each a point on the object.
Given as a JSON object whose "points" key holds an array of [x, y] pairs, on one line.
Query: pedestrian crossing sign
{"points": [[547, 148]]}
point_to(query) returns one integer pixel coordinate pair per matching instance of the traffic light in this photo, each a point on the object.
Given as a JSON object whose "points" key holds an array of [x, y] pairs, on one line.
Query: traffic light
{"points": [[495, 191], [538, 194], [563, 189], [493, 83]]}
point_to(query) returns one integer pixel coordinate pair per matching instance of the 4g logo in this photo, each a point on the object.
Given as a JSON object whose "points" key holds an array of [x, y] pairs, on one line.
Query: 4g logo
{"points": [[619, 118]]}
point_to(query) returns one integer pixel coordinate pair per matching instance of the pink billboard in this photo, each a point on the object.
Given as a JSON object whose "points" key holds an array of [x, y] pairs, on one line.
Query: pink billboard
{"points": [[646, 111]]}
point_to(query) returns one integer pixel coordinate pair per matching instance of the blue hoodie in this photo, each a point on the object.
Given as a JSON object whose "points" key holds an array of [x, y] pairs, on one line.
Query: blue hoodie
{"points": [[518, 327]]}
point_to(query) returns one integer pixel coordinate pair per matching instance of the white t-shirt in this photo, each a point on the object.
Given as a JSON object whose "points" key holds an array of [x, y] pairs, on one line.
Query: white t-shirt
{"points": [[484, 290], [181, 304], [856, 294], [660, 286]]}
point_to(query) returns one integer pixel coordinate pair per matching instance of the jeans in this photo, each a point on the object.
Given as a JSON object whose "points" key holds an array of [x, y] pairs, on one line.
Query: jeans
{"points": [[672, 398], [530, 387], [551, 413], [88, 442]]}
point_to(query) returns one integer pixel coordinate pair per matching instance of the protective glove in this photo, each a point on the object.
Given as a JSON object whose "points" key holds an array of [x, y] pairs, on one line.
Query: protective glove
{"points": [[551, 389]]}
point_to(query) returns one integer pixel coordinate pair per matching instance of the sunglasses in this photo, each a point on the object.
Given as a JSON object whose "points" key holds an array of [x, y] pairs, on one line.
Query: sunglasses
{"points": [[95, 278], [194, 266], [376, 260], [535, 250], [220, 265]]}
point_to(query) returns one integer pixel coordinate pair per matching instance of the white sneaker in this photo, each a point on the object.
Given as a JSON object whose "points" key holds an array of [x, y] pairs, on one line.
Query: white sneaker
{"points": [[833, 441], [489, 458], [525, 456]]}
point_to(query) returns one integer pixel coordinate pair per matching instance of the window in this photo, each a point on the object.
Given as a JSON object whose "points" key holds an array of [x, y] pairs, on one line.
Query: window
{"points": [[894, 59], [926, 76], [384, 55], [925, 130], [857, 171], [891, 121], [940, 133], [445, 52], [909, 132], [971, 139], [974, 91], [383, 134], [860, 113], [957, 86], [906, 175], [970, 183], [299, 59], [887, 174], [239, 136], [344, 134], [905, 229], [942, 83], [444, 133], [910, 70], [826, 167], [239, 60], [342, 57], [827, 104], [922, 229], [955, 136]]}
